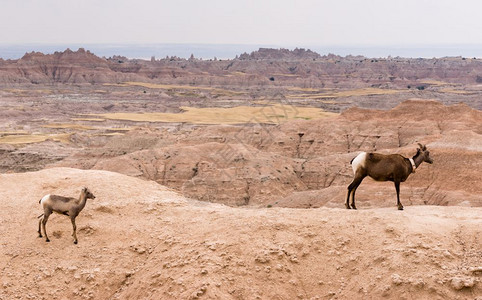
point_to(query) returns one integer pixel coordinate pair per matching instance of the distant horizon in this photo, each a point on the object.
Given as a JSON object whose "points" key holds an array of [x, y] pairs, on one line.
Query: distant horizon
{"points": [[230, 51], [376, 28]]}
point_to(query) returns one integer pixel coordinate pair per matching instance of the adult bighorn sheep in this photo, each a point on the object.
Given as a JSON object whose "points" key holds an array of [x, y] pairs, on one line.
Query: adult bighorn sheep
{"points": [[63, 205], [380, 167]]}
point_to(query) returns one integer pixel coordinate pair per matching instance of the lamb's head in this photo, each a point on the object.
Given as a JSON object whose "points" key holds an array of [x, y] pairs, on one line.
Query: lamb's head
{"points": [[88, 194], [423, 152]]}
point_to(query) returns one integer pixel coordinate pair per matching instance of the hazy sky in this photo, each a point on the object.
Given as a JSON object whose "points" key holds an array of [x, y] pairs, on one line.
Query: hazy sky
{"points": [[276, 22]]}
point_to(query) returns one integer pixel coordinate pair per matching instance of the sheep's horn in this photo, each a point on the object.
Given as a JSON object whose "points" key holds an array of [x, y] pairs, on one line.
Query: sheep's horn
{"points": [[422, 147]]}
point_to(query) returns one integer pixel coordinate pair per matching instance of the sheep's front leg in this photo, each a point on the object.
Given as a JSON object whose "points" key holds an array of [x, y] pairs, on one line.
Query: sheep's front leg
{"points": [[74, 228]]}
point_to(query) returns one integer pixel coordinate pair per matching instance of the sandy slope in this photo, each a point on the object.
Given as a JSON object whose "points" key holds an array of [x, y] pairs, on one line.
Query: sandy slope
{"points": [[139, 240]]}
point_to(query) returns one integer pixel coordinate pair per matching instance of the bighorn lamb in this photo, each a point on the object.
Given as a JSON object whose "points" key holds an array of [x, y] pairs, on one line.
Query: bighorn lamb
{"points": [[63, 205], [392, 167]]}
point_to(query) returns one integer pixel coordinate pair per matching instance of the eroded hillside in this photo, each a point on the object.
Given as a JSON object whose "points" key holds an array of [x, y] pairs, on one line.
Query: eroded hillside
{"points": [[138, 239], [282, 164]]}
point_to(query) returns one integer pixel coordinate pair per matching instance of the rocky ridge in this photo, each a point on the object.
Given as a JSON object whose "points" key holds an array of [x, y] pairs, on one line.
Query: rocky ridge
{"points": [[267, 67]]}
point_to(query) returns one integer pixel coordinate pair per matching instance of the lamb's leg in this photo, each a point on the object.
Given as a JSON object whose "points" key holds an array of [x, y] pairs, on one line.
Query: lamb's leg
{"points": [[74, 228], [397, 188], [39, 224], [44, 222]]}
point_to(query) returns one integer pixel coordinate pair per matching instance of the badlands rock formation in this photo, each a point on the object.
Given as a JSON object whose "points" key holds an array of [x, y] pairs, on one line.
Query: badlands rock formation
{"points": [[245, 209], [271, 69], [280, 165]]}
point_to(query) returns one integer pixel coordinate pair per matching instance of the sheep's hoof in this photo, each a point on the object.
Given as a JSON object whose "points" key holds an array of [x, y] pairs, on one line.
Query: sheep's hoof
{"points": [[40, 236], [47, 240], [353, 206], [75, 242], [400, 208], [347, 206]]}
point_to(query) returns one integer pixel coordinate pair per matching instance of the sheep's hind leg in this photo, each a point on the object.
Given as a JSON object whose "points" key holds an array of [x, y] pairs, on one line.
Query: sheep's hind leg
{"points": [[354, 185], [353, 198], [397, 188], [347, 204]]}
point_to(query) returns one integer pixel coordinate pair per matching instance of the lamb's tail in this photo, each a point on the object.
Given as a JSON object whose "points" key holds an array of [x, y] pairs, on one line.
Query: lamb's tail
{"points": [[41, 214]]}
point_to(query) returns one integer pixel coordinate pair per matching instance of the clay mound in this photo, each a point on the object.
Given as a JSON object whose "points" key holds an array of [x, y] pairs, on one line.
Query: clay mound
{"points": [[139, 240], [69, 67], [460, 140], [232, 174], [423, 111]]}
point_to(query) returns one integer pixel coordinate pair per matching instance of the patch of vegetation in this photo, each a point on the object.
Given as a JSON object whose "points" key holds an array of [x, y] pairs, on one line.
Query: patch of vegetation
{"points": [[268, 114], [33, 138], [88, 119], [68, 126], [348, 93]]}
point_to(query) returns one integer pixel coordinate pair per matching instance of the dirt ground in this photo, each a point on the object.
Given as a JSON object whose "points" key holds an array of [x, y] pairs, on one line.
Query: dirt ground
{"points": [[140, 240]]}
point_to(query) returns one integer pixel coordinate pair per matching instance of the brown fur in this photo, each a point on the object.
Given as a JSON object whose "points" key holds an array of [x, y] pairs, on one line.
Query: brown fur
{"points": [[391, 167], [63, 205]]}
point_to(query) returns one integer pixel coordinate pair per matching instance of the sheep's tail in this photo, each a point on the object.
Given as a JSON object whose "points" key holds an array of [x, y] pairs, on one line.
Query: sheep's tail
{"points": [[351, 162]]}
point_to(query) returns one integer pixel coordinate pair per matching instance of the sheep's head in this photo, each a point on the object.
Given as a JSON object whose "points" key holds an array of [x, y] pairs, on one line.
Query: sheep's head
{"points": [[423, 151], [88, 194]]}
